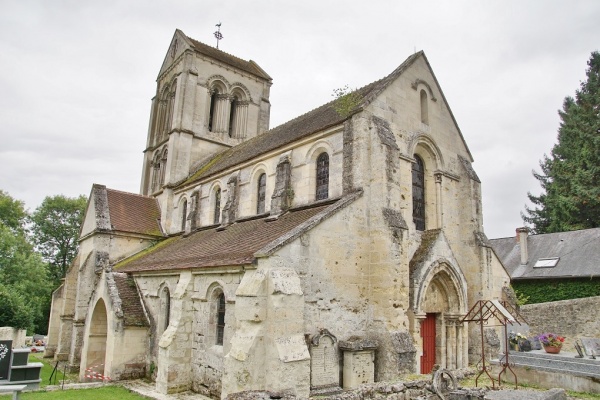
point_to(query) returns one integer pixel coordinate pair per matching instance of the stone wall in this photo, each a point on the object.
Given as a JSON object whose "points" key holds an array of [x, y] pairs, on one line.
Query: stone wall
{"points": [[570, 318], [16, 335]]}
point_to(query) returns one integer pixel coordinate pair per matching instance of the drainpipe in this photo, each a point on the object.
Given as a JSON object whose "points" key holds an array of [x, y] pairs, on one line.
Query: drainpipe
{"points": [[522, 234]]}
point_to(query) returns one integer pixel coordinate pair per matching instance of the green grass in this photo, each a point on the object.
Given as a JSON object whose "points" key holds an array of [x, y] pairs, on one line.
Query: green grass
{"points": [[101, 393], [579, 395], [47, 370]]}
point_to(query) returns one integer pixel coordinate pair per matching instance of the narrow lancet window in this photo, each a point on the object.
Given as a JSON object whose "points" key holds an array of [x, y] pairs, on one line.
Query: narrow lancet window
{"points": [[217, 212], [213, 106], [322, 189], [220, 319], [424, 108], [183, 215], [418, 190], [233, 116], [261, 194]]}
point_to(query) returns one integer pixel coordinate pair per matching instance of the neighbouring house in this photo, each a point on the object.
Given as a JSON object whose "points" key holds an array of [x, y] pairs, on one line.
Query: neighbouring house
{"points": [[552, 266], [276, 259]]}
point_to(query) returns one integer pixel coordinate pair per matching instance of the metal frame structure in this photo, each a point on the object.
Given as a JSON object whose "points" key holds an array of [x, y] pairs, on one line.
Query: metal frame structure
{"points": [[482, 312]]}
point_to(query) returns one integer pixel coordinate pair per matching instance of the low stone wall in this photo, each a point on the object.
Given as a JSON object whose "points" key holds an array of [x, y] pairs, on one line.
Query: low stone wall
{"points": [[418, 389], [570, 318], [16, 335]]}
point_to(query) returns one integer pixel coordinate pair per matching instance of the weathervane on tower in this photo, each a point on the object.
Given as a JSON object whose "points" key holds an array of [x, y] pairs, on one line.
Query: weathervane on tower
{"points": [[218, 33]]}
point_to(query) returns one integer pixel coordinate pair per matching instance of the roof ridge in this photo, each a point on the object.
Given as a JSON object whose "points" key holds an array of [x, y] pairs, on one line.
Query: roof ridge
{"points": [[326, 113], [298, 117], [130, 193], [249, 66], [215, 48]]}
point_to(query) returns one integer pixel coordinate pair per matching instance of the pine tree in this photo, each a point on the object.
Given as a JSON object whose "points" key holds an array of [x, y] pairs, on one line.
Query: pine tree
{"points": [[570, 176]]}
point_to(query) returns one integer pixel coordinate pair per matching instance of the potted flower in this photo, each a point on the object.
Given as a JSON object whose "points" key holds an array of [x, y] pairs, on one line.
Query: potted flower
{"points": [[552, 342], [515, 340]]}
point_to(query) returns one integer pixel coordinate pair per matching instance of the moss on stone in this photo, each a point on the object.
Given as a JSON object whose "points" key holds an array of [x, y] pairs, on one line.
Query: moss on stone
{"points": [[203, 168], [144, 253], [428, 238]]}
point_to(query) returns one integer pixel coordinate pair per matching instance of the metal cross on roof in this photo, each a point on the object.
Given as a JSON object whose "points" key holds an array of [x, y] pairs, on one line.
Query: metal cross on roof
{"points": [[218, 33]]}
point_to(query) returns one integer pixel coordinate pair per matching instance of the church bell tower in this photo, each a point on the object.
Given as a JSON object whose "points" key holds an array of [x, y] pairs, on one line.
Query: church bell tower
{"points": [[206, 101]]}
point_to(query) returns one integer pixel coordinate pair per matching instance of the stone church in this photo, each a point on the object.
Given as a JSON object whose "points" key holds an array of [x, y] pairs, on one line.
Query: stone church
{"points": [[347, 239]]}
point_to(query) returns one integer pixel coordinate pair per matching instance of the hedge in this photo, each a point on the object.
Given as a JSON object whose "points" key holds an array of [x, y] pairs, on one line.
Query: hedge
{"points": [[542, 291]]}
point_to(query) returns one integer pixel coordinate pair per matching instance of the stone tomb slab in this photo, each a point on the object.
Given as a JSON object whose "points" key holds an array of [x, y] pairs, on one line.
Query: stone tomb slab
{"points": [[359, 365], [591, 346], [359, 368], [324, 364]]}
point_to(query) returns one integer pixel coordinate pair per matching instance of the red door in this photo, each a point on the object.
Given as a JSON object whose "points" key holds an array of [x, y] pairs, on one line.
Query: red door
{"points": [[428, 335]]}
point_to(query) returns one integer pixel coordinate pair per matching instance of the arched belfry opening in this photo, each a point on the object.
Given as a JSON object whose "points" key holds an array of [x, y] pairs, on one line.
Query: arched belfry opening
{"points": [[96, 348]]}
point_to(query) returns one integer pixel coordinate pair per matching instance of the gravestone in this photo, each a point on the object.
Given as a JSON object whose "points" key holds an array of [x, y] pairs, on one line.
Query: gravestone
{"points": [[591, 346], [535, 343], [324, 364], [5, 356], [580, 353], [359, 357], [525, 345]]}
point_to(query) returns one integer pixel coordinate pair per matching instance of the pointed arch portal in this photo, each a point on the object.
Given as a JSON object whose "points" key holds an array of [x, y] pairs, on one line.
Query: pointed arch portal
{"points": [[440, 304], [96, 349]]}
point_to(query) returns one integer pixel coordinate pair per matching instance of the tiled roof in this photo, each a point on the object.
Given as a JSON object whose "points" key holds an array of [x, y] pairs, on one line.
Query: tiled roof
{"points": [[135, 213], [312, 122], [131, 303], [578, 253], [235, 245], [248, 66]]}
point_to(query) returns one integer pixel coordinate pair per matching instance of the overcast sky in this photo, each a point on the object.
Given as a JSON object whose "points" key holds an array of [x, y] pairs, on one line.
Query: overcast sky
{"points": [[77, 77]]}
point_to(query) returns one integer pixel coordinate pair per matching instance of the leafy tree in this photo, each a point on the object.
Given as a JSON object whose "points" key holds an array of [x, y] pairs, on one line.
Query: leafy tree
{"points": [[12, 212], [24, 286], [56, 224], [14, 311], [570, 176], [24, 274]]}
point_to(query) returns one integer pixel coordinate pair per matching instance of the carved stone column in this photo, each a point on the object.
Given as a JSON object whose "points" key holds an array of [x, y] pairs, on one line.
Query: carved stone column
{"points": [[450, 344], [460, 362], [438, 192], [240, 117], [221, 113], [418, 337], [443, 342]]}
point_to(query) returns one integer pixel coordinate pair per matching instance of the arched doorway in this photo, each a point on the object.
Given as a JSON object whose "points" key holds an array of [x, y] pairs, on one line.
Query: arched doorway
{"points": [[96, 348], [441, 304]]}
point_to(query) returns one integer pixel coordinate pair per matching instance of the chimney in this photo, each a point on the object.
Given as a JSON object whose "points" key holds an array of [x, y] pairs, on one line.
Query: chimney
{"points": [[522, 234]]}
